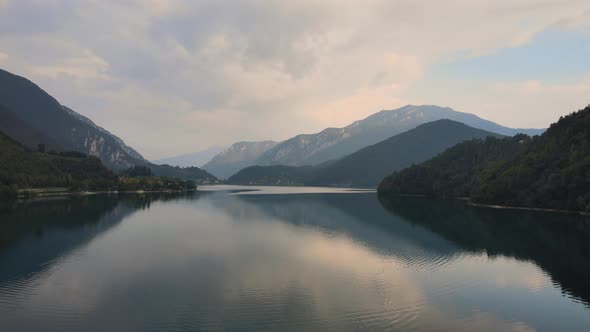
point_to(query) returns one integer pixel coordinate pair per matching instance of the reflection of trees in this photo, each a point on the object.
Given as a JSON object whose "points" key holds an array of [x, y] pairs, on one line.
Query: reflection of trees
{"points": [[560, 244], [35, 233], [359, 217]]}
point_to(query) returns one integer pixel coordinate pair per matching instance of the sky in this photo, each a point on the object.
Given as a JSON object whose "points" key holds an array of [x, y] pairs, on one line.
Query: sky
{"points": [[173, 77]]}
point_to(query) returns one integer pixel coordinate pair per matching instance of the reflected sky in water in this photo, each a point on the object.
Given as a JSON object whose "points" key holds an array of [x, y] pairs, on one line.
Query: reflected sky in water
{"points": [[317, 261]]}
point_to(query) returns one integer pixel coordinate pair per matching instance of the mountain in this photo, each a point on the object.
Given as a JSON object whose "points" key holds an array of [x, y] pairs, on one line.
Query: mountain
{"points": [[548, 171], [129, 150], [67, 129], [453, 173], [200, 176], [32, 117], [197, 159], [366, 167], [276, 175], [21, 167], [554, 172], [334, 143], [236, 157], [13, 126]]}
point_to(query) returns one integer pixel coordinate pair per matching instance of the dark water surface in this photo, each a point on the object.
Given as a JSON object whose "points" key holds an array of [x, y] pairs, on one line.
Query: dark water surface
{"points": [[289, 262]]}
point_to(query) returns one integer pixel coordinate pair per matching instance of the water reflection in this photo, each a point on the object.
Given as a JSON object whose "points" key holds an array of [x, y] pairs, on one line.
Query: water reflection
{"points": [[34, 234], [560, 244], [273, 262], [358, 217]]}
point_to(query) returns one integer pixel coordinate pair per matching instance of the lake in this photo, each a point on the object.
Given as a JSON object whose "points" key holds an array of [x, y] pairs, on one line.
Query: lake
{"points": [[289, 259]]}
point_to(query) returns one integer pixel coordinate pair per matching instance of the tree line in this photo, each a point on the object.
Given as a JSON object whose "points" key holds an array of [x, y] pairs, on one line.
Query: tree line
{"points": [[22, 168]]}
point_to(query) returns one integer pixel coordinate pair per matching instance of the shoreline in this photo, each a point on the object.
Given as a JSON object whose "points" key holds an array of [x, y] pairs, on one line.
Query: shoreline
{"points": [[499, 207], [56, 192], [524, 208], [34, 193]]}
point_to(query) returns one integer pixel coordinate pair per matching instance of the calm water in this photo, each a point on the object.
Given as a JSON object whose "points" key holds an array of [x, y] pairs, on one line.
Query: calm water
{"points": [[289, 261]]}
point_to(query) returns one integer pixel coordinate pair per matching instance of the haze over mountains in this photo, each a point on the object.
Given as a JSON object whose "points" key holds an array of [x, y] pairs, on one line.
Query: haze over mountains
{"points": [[368, 166], [335, 143], [236, 157], [32, 117], [197, 159]]}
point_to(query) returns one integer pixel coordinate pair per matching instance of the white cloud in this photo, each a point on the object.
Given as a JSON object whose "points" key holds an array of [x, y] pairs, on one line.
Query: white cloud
{"points": [[279, 68]]}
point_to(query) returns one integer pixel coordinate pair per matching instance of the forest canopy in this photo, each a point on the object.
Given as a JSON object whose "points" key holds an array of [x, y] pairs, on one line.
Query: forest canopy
{"points": [[548, 171]]}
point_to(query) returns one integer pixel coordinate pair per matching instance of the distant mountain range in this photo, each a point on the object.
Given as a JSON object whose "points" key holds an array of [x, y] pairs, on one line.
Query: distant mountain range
{"points": [[334, 143], [32, 117], [196, 159], [368, 166], [236, 157]]}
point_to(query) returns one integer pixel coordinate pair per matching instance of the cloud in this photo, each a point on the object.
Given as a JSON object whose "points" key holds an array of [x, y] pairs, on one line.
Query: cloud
{"points": [[577, 21], [87, 66], [529, 103], [536, 87], [251, 69], [544, 100]]}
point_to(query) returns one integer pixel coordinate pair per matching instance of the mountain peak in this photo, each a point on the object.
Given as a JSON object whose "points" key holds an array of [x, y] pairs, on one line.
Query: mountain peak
{"points": [[237, 156], [367, 166], [334, 143]]}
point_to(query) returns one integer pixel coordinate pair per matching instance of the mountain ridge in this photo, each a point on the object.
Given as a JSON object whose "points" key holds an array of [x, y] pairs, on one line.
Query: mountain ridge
{"points": [[550, 171], [237, 156], [70, 130], [368, 166], [33, 117], [333, 143], [198, 158]]}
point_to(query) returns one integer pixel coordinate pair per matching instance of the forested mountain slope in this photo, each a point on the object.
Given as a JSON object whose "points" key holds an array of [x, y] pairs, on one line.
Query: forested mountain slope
{"points": [[547, 171]]}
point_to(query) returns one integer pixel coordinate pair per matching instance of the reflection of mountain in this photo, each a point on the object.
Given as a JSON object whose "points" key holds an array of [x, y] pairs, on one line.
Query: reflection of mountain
{"points": [[559, 244], [420, 231], [359, 217], [35, 234]]}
